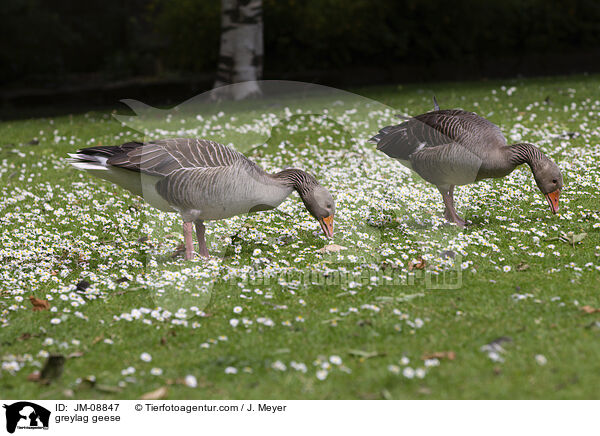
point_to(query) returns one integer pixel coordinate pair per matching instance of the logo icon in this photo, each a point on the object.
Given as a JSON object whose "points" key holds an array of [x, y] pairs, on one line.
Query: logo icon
{"points": [[26, 415]]}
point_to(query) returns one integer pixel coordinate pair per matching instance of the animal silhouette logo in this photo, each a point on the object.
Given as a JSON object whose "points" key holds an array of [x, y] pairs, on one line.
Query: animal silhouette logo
{"points": [[26, 415]]}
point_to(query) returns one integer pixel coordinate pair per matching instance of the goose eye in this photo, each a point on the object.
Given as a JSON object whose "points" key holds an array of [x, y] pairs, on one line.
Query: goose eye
{"points": [[554, 181]]}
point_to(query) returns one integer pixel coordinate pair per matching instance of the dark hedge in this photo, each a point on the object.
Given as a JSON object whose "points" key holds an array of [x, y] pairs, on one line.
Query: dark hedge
{"points": [[41, 39]]}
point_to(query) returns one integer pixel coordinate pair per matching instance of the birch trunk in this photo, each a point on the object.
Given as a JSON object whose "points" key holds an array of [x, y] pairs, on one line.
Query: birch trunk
{"points": [[241, 51]]}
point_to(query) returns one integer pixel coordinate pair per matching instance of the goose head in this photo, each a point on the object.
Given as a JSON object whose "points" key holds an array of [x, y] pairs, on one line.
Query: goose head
{"points": [[549, 179], [320, 204]]}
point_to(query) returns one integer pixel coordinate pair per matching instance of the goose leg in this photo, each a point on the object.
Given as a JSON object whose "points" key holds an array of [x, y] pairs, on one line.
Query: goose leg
{"points": [[188, 238], [447, 213], [450, 213], [201, 239]]}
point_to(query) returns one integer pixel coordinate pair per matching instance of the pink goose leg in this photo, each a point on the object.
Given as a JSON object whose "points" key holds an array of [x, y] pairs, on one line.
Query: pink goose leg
{"points": [[188, 238], [450, 213], [201, 239]]}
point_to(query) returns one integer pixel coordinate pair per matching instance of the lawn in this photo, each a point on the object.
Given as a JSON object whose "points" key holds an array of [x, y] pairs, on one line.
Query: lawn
{"points": [[501, 309]]}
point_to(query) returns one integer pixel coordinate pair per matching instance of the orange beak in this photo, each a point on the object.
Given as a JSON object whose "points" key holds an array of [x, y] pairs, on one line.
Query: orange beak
{"points": [[553, 200], [327, 225]]}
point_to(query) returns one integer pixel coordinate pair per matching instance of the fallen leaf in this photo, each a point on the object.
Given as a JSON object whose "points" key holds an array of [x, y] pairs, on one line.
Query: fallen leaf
{"points": [[331, 321], [522, 266], [578, 237], [402, 297], [107, 389], [570, 237], [501, 340], [385, 265], [87, 383], [75, 354], [97, 339], [157, 394], [589, 309], [420, 263], [34, 376], [331, 248], [39, 305], [179, 251], [450, 355], [364, 354]]}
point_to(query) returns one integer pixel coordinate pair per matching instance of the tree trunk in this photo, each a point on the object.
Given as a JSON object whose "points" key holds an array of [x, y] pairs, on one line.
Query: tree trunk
{"points": [[241, 51]]}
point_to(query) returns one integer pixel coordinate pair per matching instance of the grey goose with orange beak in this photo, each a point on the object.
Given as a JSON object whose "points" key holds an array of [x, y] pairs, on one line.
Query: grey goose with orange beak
{"points": [[456, 147], [202, 180]]}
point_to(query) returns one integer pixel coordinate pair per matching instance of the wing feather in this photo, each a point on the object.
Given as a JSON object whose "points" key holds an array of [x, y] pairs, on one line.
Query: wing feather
{"points": [[163, 157], [436, 128]]}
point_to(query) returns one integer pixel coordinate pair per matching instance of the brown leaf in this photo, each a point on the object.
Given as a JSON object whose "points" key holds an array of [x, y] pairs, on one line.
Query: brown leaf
{"points": [[522, 266], [34, 376], [420, 263], [331, 248], [450, 355], [589, 309], [24, 337], [385, 265], [424, 390], [97, 339], [179, 251], [39, 305], [75, 354], [157, 394], [107, 389]]}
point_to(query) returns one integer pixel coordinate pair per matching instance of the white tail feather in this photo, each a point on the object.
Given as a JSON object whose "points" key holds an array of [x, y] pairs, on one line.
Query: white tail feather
{"points": [[89, 158], [87, 161], [87, 165]]}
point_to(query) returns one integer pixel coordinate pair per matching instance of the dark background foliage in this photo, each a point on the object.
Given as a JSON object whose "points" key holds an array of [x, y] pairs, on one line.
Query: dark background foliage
{"points": [[52, 41]]}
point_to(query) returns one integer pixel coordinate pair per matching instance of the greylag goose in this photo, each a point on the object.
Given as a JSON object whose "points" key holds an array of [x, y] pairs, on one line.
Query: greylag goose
{"points": [[202, 180], [456, 147]]}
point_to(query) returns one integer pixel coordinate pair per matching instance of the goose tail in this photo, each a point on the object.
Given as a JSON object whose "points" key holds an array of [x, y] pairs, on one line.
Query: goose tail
{"points": [[392, 140], [83, 161], [96, 158]]}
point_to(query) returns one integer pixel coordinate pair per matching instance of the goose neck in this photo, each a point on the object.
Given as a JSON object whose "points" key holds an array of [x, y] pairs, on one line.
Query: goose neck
{"points": [[525, 153], [296, 179]]}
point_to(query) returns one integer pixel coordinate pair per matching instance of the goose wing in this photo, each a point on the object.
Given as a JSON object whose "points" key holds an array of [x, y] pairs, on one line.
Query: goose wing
{"points": [[164, 157], [437, 128]]}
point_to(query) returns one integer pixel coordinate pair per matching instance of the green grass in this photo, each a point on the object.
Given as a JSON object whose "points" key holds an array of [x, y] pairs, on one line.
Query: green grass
{"points": [[60, 226]]}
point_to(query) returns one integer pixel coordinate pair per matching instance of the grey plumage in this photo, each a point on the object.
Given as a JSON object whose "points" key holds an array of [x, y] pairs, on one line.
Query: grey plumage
{"points": [[456, 147], [201, 179]]}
